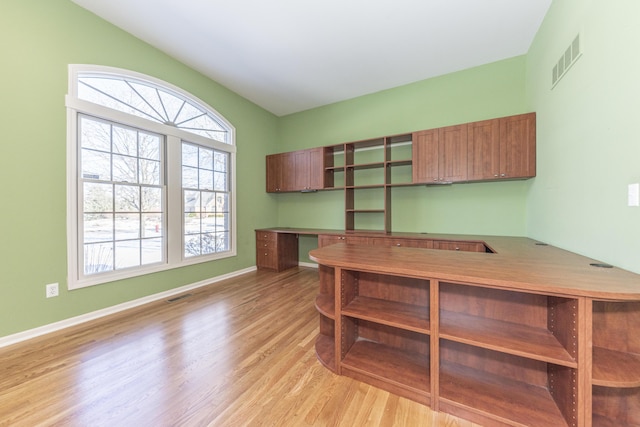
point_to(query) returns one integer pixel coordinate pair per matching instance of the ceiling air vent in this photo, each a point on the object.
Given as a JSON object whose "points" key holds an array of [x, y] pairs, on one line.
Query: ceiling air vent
{"points": [[567, 59]]}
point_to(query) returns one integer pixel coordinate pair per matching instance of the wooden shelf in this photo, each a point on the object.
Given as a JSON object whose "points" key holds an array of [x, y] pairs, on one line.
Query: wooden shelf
{"points": [[326, 351], [507, 337], [364, 211], [325, 305], [399, 315], [362, 166], [498, 398], [399, 163], [615, 368], [402, 369]]}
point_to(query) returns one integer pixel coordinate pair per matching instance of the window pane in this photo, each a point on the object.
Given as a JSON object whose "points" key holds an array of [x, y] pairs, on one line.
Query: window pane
{"points": [[190, 155], [97, 197], [220, 181], [208, 243], [189, 177], [127, 198], [192, 201], [222, 222], [125, 141], [151, 199], [151, 251], [127, 254], [208, 223], [149, 146], [206, 180], [192, 245], [96, 165], [149, 172], [98, 228], [191, 223], [125, 169], [208, 201], [222, 242], [206, 159], [222, 202], [152, 225], [127, 226], [95, 135], [221, 160], [98, 258]]}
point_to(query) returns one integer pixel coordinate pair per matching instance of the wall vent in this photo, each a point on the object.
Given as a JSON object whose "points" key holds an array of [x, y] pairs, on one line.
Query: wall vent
{"points": [[567, 59]]}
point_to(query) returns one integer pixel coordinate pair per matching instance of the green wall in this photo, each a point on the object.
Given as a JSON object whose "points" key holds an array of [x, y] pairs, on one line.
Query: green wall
{"points": [[489, 91], [38, 39], [588, 147], [587, 150]]}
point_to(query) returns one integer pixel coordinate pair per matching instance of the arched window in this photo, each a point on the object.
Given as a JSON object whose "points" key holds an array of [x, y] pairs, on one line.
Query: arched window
{"points": [[150, 172]]}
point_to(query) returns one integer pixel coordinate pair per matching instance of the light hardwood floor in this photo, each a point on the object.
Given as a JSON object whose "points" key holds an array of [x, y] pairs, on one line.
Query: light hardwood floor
{"points": [[236, 353]]}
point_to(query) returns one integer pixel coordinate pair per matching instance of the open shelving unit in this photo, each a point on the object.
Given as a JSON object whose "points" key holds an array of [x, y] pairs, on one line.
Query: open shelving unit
{"points": [[367, 170], [384, 332]]}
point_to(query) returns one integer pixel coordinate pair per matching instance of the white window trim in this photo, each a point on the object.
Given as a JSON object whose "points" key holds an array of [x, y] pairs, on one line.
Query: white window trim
{"points": [[173, 190]]}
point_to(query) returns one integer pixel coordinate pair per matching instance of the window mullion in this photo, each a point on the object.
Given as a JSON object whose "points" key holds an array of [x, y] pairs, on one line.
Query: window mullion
{"points": [[174, 206]]}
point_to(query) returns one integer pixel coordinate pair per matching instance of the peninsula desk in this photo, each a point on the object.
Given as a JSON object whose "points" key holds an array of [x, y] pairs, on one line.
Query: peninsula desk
{"points": [[518, 334]]}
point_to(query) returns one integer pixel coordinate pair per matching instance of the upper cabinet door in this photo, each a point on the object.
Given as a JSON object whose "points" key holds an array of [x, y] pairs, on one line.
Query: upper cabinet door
{"points": [[440, 155], [483, 160], [425, 147], [274, 173], [453, 153], [518, 146]]}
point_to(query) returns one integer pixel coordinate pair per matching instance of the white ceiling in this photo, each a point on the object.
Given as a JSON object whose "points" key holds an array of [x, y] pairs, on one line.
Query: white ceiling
{"points": [[292, 55]]}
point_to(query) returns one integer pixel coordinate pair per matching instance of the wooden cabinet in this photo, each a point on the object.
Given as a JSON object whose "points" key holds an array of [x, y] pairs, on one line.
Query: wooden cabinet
{"points": [[402, 242], [276, 251], [440, 155], [502, 148], [331, 239], [302, 170], [535, 337], [368, 170], [517, 146], [452, 245], [616, 363]]}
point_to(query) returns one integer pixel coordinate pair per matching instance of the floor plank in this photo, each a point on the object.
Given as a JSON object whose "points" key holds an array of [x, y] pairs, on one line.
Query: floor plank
{"points": [[235, 353]]}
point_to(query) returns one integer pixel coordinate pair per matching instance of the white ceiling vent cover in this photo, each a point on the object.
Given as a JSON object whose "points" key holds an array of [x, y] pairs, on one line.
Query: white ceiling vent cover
{"points": [[570, 56]]}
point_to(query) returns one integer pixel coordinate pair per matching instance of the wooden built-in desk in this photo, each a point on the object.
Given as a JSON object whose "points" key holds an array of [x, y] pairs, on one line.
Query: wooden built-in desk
{"points": [[521, 334]]}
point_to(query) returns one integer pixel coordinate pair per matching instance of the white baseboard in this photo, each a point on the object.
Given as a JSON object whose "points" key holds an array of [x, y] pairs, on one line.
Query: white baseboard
{"points": [[73, 321], [308, 264]]}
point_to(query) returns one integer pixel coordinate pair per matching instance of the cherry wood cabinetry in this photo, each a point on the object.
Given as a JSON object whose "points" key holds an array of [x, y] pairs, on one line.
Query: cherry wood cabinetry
{"points": [[368, 170], [440, 155], [454, 245], [302, 170], [616, 363], [502, 148], [528, 336], [276, 251]]}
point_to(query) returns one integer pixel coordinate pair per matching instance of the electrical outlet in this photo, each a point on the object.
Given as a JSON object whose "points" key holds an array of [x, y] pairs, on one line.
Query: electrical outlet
{"points": [[52, 290]]}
